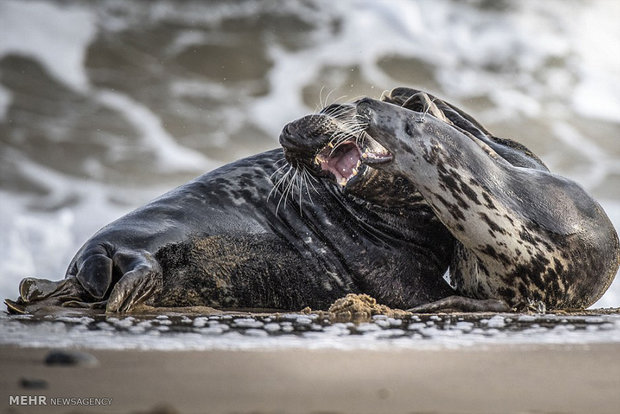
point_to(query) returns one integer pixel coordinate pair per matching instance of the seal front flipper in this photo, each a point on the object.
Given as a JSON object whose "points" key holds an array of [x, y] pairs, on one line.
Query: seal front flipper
{"points": [[88, 282], [95, 274], [15, 307], [36, 293], [141, 280], [33, 290], [462, 304], [54, 293]]}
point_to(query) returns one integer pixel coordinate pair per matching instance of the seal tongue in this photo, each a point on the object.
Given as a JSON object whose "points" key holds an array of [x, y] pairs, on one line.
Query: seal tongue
{"points": [[346, 161], [341, 161]]}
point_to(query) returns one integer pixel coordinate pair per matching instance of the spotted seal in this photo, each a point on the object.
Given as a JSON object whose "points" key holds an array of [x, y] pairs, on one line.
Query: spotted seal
{"points": [[525, 236], [293, 227]]}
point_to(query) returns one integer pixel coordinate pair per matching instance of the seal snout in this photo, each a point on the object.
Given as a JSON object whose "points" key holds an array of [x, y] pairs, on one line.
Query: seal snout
{"points": [[333, 143], [368, 114], [306, 134], [375, 152]]}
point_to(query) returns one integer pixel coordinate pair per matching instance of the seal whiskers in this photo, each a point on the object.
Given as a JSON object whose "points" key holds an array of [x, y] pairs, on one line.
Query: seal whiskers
{"points": [[296, 180]]}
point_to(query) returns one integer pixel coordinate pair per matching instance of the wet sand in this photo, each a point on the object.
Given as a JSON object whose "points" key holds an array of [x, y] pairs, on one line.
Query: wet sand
{"points": [[493, 379]]}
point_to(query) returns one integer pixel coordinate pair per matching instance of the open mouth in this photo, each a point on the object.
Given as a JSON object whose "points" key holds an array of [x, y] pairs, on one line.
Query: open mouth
{"points": [[349, 158]]}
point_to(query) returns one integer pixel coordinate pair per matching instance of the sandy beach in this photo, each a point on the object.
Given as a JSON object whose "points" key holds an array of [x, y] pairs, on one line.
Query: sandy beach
{"points": [[490, 379]]}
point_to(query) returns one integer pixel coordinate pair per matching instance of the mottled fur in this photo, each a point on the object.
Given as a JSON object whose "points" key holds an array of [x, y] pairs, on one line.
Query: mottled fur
{"points": [[525, 236], [241, 272]]}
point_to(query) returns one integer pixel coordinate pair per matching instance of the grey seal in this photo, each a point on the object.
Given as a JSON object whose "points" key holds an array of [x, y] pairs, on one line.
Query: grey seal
{"points": [[525, 236], [285, 229]]}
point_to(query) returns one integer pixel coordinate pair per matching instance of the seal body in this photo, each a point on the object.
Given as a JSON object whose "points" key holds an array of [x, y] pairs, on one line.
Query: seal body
{"points": [[229, 239], [525, 236]]}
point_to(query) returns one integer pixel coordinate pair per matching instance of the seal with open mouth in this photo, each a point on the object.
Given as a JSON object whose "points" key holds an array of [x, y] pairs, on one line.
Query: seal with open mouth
{"points": [[288, 228], [525, 236]]}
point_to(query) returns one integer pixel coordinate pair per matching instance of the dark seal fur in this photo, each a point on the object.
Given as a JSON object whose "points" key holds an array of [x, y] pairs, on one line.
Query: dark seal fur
{"points": [[526, 236], [253, 234]]}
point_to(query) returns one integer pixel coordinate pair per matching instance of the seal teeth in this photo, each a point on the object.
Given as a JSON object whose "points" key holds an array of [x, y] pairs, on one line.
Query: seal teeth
{"points": [[375, 155]]}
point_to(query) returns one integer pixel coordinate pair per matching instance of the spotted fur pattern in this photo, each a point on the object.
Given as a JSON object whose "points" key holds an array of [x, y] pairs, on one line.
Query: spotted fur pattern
{"points": [[524, 235]]}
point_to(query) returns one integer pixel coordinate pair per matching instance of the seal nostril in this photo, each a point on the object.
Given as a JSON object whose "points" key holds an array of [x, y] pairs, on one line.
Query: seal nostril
{"points": [[288, 129], [285, 135], [288, 134]]}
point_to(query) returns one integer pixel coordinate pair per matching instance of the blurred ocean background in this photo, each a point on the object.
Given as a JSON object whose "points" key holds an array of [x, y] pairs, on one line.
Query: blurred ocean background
{"points": [[105, 105]]}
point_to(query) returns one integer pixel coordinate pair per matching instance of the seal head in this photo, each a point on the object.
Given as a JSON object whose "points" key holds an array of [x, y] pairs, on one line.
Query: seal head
{"points": [[332, 145]]}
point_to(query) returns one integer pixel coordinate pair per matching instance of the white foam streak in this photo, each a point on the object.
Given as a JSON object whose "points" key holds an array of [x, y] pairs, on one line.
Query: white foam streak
{"points": [[598, 96], [32, 243], [600, 165], [56, 36], [596, 37], [170, 155], [285, 79]]}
